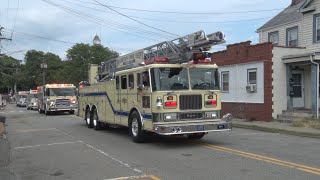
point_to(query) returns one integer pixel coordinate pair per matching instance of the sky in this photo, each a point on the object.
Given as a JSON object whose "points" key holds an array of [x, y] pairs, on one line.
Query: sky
{"points": [[56, 25]]}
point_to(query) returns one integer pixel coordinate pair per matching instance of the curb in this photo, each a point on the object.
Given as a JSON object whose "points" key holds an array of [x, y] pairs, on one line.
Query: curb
{"points": [[275, 130]]}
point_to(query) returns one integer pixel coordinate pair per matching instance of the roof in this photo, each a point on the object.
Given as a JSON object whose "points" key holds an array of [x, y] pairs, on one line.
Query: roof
{"points": [[290, 14]]}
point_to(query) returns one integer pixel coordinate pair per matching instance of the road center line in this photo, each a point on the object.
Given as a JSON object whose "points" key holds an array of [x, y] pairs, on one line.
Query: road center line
{"points": [[279, 162], [39, 145]]}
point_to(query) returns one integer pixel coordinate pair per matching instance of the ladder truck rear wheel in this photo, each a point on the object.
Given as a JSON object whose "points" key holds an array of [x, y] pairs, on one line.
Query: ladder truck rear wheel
{"points": [[95, 119], [135, 128], [89, 119]]}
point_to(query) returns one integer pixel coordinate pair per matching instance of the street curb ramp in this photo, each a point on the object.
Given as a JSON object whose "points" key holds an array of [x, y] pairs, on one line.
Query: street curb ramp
{"points": [[275, 130]]}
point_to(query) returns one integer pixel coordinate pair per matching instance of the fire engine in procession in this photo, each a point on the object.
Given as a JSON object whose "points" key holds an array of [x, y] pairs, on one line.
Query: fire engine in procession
{"points": [[170, 88], [54, 98]]}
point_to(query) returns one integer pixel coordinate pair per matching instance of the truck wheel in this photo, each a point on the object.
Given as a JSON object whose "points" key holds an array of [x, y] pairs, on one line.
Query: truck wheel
{"points": [[71, 112], [89, 119], [135, 128], [196, 135], [96, 124]]}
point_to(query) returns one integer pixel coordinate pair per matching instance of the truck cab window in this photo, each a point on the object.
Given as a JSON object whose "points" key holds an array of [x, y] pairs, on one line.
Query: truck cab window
{"points": [[131, 81], [145, 78], [123, 82], [117, 82]]}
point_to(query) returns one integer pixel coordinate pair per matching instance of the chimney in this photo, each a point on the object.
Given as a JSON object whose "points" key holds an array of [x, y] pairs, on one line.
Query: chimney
{"points": [[295, 2]]}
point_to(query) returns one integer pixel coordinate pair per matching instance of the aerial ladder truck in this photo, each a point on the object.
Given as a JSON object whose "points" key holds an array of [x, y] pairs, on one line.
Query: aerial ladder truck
{"points": [[170, 88]]}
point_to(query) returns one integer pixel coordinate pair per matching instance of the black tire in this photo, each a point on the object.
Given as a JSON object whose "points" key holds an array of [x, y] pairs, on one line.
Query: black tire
{"points": [[196, 135], [95, 119], [135, 128], [89, 119], [71, 112], [47, 112]]}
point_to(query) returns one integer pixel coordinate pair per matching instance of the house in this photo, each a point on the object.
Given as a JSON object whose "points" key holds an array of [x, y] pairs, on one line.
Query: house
{"points": [[297, 27], [279, 75]]}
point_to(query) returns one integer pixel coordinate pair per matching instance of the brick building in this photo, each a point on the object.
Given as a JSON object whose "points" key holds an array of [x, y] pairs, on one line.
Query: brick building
{"points": [[253, 80]]}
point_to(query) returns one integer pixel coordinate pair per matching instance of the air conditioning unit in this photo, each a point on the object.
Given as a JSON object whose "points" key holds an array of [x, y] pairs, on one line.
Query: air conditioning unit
{"points": [[251, 88]]}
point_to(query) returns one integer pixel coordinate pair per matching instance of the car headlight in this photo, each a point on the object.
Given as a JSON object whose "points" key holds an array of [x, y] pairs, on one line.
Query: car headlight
{"points": [[211, 115], [170, 116]]}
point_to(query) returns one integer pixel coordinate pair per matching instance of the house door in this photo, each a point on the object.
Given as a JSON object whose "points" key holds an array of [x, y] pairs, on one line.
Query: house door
{"points": [[298, 89]]}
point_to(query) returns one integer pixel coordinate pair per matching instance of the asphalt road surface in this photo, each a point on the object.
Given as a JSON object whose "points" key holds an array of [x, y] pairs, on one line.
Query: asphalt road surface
{"points": [[62, 147]]}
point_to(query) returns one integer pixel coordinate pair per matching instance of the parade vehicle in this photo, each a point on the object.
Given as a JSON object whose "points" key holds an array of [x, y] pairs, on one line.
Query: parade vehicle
{"points": [[32, 100], [170, 88], [21, 98], [54, 98]]}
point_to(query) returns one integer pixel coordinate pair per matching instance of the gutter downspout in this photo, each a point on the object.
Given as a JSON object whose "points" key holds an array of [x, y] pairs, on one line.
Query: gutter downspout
{"points": [[317, 90]]}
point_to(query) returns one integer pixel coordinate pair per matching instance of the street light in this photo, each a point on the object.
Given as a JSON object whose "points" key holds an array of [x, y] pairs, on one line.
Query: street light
{"points": [[43, 67]]}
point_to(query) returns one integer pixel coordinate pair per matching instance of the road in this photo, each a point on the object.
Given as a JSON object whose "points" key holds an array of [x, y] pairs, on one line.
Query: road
{"points": [[62, 147]]}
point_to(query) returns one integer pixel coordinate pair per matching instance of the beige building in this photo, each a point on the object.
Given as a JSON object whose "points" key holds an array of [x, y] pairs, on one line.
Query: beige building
{"points": [[295, 34]]}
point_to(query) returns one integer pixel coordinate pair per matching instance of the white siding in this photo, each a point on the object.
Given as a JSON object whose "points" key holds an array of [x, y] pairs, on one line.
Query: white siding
{"points": [[279, 75], [282, 33], [308, 29], [238, 82]]}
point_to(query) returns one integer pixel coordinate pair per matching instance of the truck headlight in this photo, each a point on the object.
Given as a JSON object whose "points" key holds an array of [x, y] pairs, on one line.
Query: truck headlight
{"points": [[211, 115], [170, 116]]}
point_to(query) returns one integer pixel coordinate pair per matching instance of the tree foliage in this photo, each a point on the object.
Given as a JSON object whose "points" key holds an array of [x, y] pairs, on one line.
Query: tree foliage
{"points": [[73, 70]]}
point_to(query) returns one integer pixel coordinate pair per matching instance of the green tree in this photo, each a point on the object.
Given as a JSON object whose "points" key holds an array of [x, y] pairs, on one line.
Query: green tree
{"points": [[78, 58], [9, 67], [32, 74]]}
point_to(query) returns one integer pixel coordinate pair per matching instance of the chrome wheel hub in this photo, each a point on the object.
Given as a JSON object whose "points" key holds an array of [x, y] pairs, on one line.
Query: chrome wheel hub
{"points": [[134, 127]]}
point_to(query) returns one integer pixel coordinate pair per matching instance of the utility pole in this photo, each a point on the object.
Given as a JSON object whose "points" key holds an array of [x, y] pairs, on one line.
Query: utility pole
{"points": [[43, 67], [2, 39]]}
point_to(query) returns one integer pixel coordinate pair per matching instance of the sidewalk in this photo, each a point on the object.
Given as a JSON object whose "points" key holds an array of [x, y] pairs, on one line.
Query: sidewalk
{"points": [[276, 127]]}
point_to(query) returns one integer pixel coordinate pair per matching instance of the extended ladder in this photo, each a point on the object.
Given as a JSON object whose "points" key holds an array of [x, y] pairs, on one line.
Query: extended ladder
{"points": [[179, 50]]}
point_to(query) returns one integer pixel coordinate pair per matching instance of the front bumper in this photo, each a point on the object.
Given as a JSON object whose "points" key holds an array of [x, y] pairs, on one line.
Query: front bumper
{"points": [[191, 127], [62, 109]]}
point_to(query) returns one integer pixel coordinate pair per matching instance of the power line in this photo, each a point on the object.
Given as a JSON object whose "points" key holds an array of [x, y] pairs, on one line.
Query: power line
{"points": [[191, 13], [41, 37], [170, 21], [135, 19], [15, 19], [94, 19]]}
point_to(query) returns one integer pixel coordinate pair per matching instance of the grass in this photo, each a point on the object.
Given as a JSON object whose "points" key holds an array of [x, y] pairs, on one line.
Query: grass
{"points": [[308, 123]]}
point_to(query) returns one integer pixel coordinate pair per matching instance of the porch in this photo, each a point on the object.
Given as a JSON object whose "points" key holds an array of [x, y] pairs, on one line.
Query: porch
{"points": [[302, 74]]}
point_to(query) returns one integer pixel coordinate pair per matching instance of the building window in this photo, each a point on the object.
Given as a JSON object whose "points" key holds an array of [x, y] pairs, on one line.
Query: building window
{"points": [[292, 37], [316, 28], [274, 38], [225, 81], [252, 76]]}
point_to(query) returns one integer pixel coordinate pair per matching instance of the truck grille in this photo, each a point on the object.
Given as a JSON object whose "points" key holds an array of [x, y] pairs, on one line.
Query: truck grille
{"points": [[62, 102], [185, 116], [190, 102]]}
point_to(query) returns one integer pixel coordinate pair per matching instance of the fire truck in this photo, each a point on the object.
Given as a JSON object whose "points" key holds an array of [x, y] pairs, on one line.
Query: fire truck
{"points": [[170, 88], [57, 98]]}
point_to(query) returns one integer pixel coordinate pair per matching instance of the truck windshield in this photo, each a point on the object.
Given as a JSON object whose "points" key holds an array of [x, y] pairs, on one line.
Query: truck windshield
{"points": [[33, 95], [60, 92], [169, 79], [204, 78]]}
